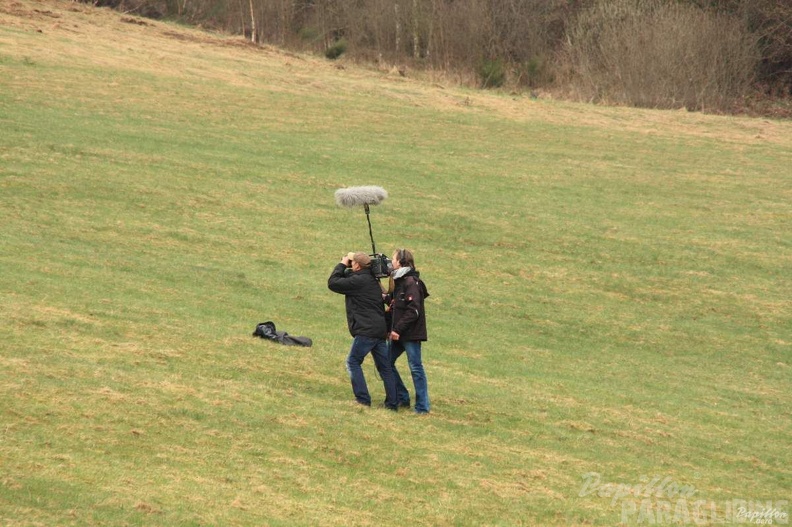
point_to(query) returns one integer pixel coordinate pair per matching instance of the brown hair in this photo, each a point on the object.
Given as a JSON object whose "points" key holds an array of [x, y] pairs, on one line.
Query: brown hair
{"points": [[405, 258]]}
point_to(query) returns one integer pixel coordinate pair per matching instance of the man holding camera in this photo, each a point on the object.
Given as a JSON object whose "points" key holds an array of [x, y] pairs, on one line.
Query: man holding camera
{"points": [[366, 321]]}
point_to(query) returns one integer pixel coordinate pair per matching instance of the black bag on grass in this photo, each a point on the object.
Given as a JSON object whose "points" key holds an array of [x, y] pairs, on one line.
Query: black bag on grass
{"points": [[266, 330]]}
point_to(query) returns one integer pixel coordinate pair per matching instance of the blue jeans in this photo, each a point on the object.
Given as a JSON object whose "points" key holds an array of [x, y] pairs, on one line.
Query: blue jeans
{"points": [[413, 349], [361, 346]]}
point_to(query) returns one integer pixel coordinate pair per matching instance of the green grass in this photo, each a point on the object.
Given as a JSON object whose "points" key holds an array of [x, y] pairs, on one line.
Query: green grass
{"points": [[610, 290]]}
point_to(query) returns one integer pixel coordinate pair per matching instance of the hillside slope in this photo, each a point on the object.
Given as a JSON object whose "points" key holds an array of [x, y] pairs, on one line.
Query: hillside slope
{"points": [[610, 319]]}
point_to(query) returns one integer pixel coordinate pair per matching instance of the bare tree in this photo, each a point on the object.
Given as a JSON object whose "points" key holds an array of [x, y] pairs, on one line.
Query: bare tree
{"points": [[253, 32]]}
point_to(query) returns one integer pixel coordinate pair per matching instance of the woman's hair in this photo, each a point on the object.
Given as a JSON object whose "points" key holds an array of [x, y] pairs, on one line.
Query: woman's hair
{"points": [[405, 258]]}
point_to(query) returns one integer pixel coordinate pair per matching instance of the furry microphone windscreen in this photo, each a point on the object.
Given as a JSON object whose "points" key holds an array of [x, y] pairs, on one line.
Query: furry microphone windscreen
{"points": [[359, 196]]}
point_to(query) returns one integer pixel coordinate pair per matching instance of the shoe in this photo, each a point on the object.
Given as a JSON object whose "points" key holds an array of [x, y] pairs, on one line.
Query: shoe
{"points": [[391, 408], [404, 404], [361, 403]]}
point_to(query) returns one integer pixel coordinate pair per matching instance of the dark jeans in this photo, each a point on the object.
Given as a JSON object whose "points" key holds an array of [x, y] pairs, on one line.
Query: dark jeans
{"points": [[361, 346], [413, 349]]}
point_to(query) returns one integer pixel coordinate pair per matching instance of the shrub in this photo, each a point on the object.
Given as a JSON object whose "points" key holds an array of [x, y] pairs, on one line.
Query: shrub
{"points": [[491, 73], [534, 73], [309, 34], [336, 49], [652, 54]]}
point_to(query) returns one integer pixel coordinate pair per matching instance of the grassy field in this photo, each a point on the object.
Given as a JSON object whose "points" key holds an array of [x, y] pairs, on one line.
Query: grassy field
{"points": [[610, 317]]}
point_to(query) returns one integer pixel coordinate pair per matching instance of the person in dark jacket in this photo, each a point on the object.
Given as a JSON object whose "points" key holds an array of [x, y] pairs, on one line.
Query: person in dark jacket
{"points": [[366, 321], [408, 327]]}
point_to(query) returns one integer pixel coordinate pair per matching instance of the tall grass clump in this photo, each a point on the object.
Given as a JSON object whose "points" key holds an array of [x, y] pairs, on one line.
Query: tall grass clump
{"points": [[658, 55]]}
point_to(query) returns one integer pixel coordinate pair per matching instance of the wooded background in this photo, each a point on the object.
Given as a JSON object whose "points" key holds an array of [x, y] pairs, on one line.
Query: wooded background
{"points": [[699, 54]]}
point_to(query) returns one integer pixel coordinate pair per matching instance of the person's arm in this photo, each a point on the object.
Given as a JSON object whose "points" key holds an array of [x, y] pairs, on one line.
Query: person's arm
{"points": [[340, 281]]}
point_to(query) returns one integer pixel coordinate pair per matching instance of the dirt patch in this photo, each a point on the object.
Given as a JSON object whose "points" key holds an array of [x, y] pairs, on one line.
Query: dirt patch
{"points": [[182, 37], [46, 13], [137, 21], [13, 9]]}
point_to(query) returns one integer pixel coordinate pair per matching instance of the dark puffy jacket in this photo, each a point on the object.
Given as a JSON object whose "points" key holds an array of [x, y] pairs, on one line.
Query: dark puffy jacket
{"points": [[407, 307], [364, 308]]}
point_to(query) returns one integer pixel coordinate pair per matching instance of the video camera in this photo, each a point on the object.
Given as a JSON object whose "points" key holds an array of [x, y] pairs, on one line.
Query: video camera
{"points": [[381, 265]]}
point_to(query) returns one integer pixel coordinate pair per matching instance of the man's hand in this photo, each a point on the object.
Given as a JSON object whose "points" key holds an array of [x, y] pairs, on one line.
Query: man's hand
{"points": [[394, 335]]}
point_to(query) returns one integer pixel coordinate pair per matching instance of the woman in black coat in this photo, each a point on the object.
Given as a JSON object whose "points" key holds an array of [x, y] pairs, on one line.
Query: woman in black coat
{"points": [[408, 327]]}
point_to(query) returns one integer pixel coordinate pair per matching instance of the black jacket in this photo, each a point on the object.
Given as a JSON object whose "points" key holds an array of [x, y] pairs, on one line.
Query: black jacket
{"points": [[364, 308], [407, 307]]}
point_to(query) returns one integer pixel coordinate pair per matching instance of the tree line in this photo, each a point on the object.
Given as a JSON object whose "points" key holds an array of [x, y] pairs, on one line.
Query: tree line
{"points": [[697, 54]]}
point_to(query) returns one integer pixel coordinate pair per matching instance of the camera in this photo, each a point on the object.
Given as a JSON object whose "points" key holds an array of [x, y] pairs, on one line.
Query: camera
{"points": [[381, 265]]}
